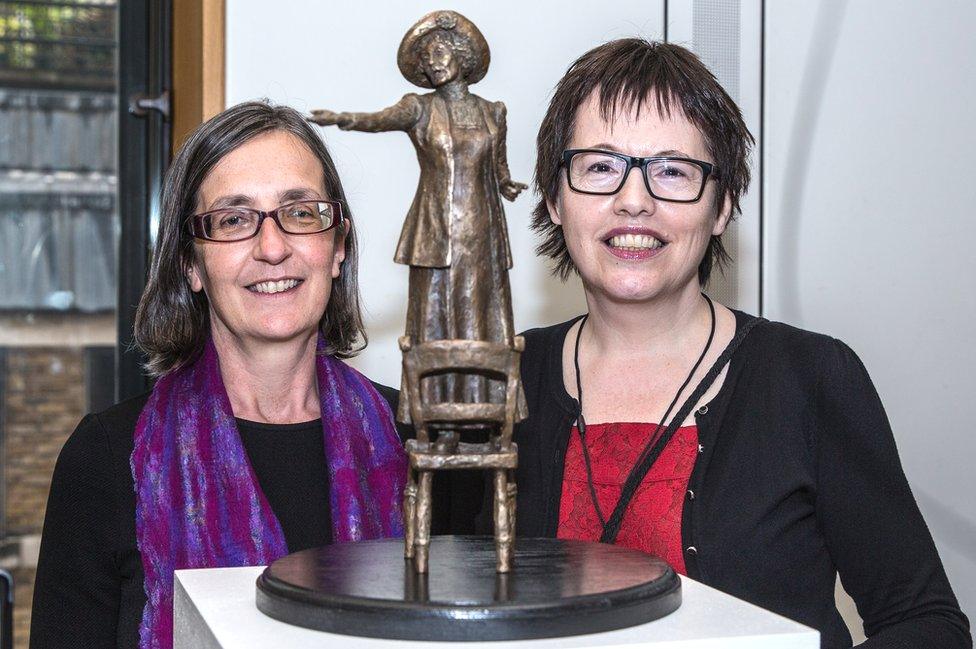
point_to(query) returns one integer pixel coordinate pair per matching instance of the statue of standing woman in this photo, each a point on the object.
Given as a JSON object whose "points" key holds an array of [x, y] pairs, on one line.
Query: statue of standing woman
{"points": [[454, 238]]}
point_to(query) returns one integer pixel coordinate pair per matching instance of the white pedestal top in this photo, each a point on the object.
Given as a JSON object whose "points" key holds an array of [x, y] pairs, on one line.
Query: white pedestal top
{"points": [[215, 609]]}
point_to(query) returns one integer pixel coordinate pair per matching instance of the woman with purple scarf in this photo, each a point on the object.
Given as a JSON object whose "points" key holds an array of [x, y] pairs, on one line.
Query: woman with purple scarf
{"points": [[257, 440]]}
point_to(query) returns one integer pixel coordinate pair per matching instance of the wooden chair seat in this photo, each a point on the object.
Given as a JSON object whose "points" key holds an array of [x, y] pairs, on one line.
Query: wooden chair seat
{"points": [[463, 413], [424, 457]]}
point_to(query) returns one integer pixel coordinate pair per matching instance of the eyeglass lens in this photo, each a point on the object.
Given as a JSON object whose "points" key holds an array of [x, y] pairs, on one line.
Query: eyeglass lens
{"points": [[303, 217], [604, 173]]}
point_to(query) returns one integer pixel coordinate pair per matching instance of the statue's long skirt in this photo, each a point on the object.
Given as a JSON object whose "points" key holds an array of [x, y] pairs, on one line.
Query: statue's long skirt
{"points": [[471, 299]]}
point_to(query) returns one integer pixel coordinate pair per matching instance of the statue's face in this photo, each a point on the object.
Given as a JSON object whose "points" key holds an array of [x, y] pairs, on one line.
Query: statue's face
{"points": [[438, 61]]}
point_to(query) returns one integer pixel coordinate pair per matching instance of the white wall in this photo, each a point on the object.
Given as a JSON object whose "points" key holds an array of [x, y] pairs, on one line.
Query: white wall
{"points": [[871, 219], [343, 56]]}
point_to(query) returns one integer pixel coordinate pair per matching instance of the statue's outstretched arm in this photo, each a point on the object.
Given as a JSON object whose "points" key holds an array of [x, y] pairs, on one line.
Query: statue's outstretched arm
{"points": [[506, 186], [401, 116]]}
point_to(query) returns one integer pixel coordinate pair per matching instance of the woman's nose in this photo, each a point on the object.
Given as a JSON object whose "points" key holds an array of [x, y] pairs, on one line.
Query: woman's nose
{"points": [[271, 244], [633, 199]]}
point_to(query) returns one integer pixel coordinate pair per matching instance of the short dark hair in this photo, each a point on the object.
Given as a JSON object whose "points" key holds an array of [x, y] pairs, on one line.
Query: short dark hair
{"points": [[172, 322], [625, 73]]}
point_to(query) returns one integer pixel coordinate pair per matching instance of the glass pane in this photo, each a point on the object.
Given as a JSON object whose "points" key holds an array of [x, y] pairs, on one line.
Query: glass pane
{"points": [[58, 252]]}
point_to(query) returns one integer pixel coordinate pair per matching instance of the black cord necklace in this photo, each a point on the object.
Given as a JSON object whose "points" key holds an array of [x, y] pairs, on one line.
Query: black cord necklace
{"points": [[626, 495]]}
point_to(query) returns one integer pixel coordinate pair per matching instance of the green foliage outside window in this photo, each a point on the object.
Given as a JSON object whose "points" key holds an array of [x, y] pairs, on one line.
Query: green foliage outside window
{"points": [[57, 42]]}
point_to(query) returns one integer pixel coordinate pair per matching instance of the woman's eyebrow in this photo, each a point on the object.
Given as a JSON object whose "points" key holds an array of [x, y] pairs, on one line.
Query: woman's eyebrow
{"points": [[606, 146], [231, 200], [297, 193], [243, 200], [671, 153]]}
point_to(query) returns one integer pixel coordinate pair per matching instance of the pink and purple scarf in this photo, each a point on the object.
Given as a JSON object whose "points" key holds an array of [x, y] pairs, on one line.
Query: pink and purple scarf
{"points": [[198, 503]]}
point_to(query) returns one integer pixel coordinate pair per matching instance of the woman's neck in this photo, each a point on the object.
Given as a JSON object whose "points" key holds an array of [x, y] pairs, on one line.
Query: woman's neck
{"points": [[269, 382], [453, 90], [645, 328]]}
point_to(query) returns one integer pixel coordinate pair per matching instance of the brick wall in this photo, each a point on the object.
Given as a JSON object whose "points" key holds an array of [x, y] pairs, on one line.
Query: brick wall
{"points": [[23, 592], [43, 399]]}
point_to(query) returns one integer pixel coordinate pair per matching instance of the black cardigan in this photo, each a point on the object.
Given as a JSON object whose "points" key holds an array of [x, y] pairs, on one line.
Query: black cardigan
{"points": [[797, 479]]}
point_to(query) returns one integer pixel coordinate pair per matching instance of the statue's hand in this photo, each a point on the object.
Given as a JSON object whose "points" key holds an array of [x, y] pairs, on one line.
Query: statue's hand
{"points": [[325, 117], [511, 189]]}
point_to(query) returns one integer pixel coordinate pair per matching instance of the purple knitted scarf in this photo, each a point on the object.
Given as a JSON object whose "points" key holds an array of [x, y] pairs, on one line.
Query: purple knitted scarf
{"points": [[198, 503]]}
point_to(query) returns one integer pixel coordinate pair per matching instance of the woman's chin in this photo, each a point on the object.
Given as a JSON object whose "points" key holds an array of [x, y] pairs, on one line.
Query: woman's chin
{"points": [[635, 297], [275, 332], [628, 289], [280, 334]]}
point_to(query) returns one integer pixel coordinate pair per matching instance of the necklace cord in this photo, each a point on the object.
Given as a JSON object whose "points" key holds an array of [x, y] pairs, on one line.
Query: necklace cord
{"points": [[655, 443], [677, 395], [638, 473], [581, 429]]}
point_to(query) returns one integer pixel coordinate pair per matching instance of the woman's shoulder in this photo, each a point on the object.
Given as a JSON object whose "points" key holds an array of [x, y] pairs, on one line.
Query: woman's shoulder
{"points": [[92, 476], [392, 398], [119, 421], [539, 340], [537, 334], [123, 414], [391, 395], [541, 367], [104, 435], [778, 343]]}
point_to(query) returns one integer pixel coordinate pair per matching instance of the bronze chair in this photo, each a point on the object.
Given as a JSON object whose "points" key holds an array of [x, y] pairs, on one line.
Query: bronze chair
{"points": [[499, 453]]}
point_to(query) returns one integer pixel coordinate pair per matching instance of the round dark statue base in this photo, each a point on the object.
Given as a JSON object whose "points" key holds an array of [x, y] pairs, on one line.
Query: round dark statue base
{"points": [[556, 588]]}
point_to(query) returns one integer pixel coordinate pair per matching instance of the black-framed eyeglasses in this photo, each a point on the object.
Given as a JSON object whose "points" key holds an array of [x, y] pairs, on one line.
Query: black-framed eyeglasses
{"points": [[678, 180], [240, 223]]}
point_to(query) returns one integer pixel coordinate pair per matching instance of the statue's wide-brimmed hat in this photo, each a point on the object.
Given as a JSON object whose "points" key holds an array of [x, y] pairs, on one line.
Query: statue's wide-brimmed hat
{"points": [[450, 21]]}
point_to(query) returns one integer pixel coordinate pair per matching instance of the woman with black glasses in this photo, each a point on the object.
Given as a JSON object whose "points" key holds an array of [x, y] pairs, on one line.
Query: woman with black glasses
{"points": [[257, 440], [750, 455]]}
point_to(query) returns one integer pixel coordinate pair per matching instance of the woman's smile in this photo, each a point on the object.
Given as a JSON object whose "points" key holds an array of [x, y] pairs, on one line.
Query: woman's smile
{"points": [[275, 287], [634, 243]]}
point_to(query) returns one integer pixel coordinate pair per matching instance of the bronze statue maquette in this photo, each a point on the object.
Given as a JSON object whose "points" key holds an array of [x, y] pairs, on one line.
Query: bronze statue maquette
{"points": [[458, 338], [460, 373], [455, 241]]}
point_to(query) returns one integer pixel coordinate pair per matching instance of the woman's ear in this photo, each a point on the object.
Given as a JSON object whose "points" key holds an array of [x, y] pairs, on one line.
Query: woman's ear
{"points": [[553, 207], [339, 246], [723, 217], [194, 277]]}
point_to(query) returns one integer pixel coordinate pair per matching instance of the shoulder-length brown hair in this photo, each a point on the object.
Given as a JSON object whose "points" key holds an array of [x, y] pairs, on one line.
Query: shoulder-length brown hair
{"points": [[172, 322], [634, 72]]}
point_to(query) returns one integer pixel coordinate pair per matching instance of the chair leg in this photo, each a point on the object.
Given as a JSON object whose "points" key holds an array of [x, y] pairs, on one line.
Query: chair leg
{"points": [[422, 542], [512, 492], [503, 527], [410, 514]]}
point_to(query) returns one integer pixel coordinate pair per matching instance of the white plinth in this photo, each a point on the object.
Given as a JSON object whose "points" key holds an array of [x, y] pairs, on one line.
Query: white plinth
{"points": [[215, 609]]}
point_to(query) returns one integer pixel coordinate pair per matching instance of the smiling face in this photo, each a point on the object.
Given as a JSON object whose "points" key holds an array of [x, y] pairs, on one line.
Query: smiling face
{"points": [[274, 286], [438, 61], [629, 246]]}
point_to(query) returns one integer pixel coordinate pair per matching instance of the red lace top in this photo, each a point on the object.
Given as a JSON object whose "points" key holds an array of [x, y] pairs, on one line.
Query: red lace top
{"points": [[653, 520]]}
